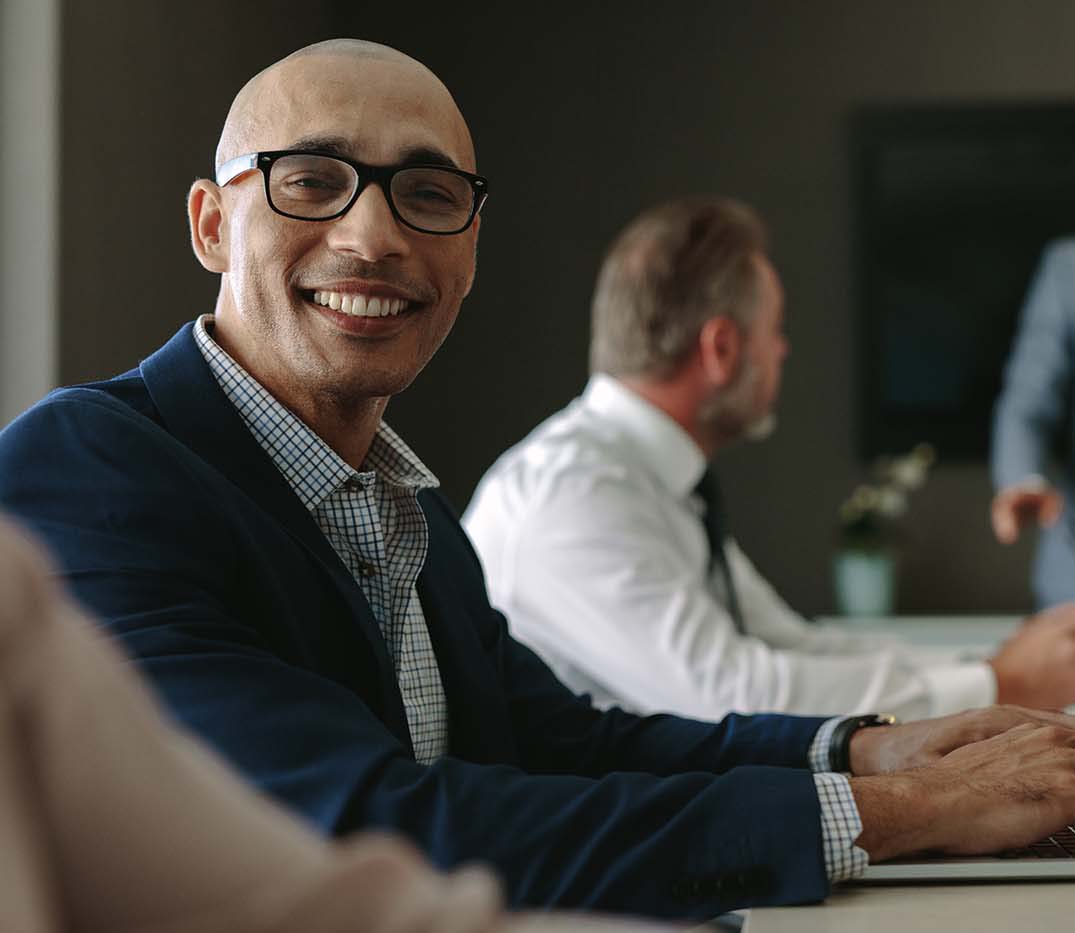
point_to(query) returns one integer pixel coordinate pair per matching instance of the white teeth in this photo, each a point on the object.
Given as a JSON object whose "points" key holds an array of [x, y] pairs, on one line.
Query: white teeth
{"points": [[360, 305]]}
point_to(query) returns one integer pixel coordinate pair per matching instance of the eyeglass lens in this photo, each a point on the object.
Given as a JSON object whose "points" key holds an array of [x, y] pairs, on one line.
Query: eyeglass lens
{"points": [[315, 187]]}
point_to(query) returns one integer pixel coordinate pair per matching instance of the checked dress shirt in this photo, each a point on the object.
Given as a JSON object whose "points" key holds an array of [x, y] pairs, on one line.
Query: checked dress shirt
{"points": [[371, 518]]}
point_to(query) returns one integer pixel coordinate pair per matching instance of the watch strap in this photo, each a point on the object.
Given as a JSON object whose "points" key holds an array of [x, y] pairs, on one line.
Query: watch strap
{"points": [[840, 744]]}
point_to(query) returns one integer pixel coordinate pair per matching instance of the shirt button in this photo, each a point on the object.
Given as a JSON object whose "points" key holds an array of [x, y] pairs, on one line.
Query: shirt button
{"points": [[366, 569], [354, 484]]}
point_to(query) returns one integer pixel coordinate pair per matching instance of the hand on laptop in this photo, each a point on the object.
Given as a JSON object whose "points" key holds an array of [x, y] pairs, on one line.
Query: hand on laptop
{"points": [[1001, 793], [1036, 666], [913, 744]]}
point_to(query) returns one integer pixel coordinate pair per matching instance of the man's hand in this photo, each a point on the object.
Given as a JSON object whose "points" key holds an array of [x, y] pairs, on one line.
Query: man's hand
{"points": [[886, 749], [1018, 506], [1036, 666], [1002, 793]]}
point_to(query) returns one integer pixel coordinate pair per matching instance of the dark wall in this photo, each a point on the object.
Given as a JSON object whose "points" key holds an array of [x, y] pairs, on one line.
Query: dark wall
{"points": [[583, 114], [145, 89]]}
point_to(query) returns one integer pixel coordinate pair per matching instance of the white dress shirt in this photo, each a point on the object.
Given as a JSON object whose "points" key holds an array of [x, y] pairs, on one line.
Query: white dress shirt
{"points": [[591, 539]]}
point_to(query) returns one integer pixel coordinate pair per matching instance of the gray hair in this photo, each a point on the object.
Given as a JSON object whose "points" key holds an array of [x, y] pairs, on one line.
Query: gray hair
{"points": [[672, 269]]}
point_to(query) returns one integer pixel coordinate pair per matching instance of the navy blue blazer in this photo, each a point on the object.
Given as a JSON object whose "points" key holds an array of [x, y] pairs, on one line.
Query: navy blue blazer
{"points": [[175, 528]]}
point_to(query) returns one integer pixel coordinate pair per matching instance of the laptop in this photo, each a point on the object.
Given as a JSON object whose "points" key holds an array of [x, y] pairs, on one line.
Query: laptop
{"points": [[1053, 858]]}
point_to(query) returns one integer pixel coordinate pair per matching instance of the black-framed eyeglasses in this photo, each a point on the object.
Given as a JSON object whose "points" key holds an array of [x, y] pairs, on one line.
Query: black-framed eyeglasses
{"points": [[312, 185]]}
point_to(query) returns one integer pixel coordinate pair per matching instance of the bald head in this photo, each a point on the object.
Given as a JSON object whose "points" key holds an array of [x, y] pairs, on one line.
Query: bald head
{"points": [[272, 103], [336, 316]]}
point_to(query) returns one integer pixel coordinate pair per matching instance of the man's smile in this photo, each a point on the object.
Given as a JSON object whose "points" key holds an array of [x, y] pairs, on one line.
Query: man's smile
{"points": [[358, 305], [361, 313]]}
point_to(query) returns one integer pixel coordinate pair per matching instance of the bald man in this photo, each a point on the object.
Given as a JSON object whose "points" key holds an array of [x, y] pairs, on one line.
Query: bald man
{"points": [[280, 565]]}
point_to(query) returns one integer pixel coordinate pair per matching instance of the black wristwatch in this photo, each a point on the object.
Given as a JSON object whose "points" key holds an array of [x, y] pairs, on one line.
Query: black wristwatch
{"points": [[840, 743]]}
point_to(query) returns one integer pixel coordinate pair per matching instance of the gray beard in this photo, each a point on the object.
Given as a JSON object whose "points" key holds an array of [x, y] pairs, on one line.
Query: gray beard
{"points": [[722, 411], [762, 428]]}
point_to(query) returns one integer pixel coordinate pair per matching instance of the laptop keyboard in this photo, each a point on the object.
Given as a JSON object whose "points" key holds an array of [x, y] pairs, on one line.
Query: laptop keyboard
{"points": [[1059, 845]]}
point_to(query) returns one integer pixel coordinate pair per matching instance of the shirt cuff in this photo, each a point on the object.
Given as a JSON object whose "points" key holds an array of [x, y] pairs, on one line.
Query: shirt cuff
{"points": [[1032, 482], [956, 687], [818, 756], [841, 825]]}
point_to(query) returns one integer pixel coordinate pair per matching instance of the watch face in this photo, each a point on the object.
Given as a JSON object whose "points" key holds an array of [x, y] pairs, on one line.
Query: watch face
{"points": [[878, 719]]}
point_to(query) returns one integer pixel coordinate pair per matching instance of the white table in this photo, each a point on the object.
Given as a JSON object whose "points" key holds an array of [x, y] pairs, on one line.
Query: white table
{"points": [[983, 908], [977, 635]]}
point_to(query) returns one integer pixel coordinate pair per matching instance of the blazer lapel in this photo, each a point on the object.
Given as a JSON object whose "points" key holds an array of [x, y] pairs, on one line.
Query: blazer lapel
{"points": [[479, 727], [195, 410]]}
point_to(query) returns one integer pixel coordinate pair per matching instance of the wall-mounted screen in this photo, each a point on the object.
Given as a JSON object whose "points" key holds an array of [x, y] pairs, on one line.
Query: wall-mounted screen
{"points": [[952, 208]]}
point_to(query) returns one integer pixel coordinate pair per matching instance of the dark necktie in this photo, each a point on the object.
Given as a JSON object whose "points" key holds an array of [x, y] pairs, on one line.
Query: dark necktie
{"points": [[709, 489]]}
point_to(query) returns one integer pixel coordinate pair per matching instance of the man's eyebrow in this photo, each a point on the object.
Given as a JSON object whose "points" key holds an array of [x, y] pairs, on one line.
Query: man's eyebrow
{"points": [[423, 155], [333, 145], [339, 146]]}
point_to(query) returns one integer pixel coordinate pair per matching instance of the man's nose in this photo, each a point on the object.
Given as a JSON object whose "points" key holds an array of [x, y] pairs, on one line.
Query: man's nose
{"points": [[369, 229]]}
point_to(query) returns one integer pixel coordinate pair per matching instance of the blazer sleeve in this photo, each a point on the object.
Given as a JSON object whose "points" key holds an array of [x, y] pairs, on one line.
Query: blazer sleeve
{"points": [[1037, 378], [149, 543]]}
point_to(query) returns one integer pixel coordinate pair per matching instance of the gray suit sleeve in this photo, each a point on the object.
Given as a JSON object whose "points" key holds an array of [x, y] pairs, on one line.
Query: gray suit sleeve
{"points": [[1038, 374]]}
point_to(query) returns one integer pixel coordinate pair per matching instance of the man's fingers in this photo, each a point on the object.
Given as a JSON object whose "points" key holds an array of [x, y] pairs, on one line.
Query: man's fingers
{"points": [[1033, 737], [1052, 505], [1013, 509], [1054, 718], [1005, 526], [1010, 716]]}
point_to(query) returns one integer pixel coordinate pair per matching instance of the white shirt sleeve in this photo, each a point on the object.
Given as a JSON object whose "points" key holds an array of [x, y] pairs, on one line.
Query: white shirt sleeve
{"points": [[610, 586], [907, 683]]}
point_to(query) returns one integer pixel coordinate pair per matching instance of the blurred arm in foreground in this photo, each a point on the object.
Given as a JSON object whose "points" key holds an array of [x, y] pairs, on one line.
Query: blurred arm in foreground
{"points": [[115, 820]]}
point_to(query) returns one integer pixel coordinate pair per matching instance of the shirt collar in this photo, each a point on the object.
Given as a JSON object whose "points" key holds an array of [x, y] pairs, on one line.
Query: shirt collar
{"points": [[664, 446], [312, 468]]}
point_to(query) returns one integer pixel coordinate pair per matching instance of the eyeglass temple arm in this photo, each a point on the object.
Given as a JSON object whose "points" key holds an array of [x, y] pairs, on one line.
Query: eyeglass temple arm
{"points": [[235, 167]]}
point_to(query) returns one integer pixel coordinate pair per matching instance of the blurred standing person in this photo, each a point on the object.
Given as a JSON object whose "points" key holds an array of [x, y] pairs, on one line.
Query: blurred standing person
{"points": [[1033, 411]]}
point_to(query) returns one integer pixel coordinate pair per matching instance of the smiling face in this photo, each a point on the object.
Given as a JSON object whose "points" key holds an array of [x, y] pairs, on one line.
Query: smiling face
{"points": [[350, 309]]}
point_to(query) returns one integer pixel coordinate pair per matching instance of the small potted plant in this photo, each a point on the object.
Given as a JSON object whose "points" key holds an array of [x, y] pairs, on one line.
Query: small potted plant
{"points": [[866, 563]]}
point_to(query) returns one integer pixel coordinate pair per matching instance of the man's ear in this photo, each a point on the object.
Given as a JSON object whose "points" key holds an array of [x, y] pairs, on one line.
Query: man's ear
{"points": [[720, 346], [208, 228]]}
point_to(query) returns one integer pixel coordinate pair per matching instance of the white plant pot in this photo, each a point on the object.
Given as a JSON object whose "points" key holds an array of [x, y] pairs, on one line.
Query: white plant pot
{"points": [[865, 582]]}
